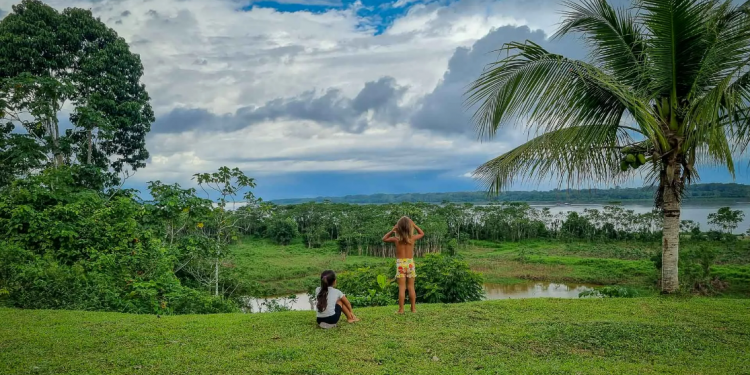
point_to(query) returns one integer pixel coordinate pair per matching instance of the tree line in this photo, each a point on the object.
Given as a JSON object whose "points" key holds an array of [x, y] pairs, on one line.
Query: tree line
{"points": [[358, 229], [697, 193]]}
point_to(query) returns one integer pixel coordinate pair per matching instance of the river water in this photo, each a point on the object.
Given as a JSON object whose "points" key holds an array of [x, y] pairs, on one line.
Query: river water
{"points": [[695, 212], [535, 289], [529, 289]]}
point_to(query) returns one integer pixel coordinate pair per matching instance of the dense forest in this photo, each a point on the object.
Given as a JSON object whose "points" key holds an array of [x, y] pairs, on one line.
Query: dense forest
{"points": [[696, 193], [358, 228]]}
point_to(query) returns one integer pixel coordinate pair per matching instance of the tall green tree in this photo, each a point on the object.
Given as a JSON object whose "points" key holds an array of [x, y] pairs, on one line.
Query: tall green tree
{"points": [[726, 219], [667, 87], [53, 63], [225, 220]]}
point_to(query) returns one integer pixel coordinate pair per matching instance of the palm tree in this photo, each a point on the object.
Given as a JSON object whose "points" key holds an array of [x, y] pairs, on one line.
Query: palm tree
{"points": [[667, 83]]}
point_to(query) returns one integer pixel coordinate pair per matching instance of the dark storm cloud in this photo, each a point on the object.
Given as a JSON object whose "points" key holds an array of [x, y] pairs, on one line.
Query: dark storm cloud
{"points": [[443, 110], [382, 97], [330, 107]]}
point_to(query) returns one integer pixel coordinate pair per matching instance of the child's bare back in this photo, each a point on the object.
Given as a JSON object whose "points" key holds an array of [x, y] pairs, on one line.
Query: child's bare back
{"points": [[405, 274], [404, 250]]}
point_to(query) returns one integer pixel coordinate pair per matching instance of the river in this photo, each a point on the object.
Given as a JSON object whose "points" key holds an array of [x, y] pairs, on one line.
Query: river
{"points": [[695, 212], [529, 289]]}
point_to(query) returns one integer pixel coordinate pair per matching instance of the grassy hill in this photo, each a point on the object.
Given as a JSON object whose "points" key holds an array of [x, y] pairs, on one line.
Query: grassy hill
{"points": [[543, 336]]}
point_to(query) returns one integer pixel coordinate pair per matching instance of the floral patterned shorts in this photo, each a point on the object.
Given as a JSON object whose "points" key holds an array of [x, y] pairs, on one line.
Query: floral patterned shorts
{"points": [[405, 268]]}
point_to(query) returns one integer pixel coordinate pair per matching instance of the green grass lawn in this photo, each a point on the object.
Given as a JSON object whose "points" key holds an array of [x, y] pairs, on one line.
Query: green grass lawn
{"points": [[535, 336]]}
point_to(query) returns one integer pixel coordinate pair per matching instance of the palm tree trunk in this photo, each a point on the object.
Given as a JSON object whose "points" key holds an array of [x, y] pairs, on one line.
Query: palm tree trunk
{"points": [[670, 241]]}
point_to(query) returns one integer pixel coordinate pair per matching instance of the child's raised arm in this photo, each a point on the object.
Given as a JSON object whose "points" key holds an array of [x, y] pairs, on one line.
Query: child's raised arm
{"points": [[388, 238], [420, 233]]}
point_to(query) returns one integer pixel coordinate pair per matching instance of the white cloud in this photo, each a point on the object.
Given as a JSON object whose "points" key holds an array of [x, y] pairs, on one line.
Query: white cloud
{"points": [[209, 54], [271, 147], [402, 3]]}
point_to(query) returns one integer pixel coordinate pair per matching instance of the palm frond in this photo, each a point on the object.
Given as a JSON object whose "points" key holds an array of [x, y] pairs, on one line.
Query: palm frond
{"points": [[675, 30], [727, 41], [721, 92], [545, 89], [616, 39], [574, 154]]}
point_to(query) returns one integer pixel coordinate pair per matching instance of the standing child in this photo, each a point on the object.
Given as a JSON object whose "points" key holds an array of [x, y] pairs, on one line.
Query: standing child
{"points": [[331, 302], [405, 274]]}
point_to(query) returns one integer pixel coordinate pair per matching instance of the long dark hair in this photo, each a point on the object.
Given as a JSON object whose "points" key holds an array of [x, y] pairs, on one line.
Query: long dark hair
{"points": [[327, 278]]}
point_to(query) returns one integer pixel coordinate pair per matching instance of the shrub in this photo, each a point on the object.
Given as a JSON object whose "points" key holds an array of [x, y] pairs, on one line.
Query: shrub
{"points": [[364, 287], [440, 279], [282, 230], [444, 279], [69, 247], [452, 247], [695, 269]]}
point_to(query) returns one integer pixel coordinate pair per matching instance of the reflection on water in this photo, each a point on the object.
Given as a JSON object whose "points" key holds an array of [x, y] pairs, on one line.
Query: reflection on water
{"points": [[531, 289], [302, 302], [534, 289]]}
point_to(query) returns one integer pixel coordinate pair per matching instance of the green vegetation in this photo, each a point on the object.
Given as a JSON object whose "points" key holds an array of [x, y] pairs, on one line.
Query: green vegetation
{"points": [[74, 240], [575, 262], [285, 270], [167, 255], [598, 336], [697, 193], [67, 246], [51, 60], [665, 91], [610, 263], [442, 279]]}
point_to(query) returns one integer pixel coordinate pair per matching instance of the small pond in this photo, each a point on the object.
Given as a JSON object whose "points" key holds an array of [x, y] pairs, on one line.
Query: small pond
{"points": [[535, 289], [528, 289]]}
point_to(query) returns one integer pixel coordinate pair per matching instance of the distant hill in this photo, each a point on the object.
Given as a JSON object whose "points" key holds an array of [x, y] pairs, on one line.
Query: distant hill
{"points": [[696, 193]]}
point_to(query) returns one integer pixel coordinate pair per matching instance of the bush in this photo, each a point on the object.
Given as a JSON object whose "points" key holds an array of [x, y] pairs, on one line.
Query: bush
{"points": [[382, 295], [695, 271], [452, 247], [444, 279], [69, 247], [364, 287], [282, 230], [440, 279]]}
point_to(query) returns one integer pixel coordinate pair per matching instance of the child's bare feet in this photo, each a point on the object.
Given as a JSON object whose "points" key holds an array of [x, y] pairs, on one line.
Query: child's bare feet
{"points": [[413, 309], [353, 319], [400, 312]]}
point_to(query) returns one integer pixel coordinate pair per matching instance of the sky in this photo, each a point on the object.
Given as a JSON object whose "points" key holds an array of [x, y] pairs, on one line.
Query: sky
{"points": [[325, 97]]}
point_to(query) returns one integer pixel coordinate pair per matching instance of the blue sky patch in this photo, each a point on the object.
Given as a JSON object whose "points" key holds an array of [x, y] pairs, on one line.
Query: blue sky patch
{"points": [[376, 15]]}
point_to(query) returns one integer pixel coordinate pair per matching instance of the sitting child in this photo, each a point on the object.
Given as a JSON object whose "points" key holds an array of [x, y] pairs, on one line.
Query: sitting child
{"points": [[331, 302]]}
